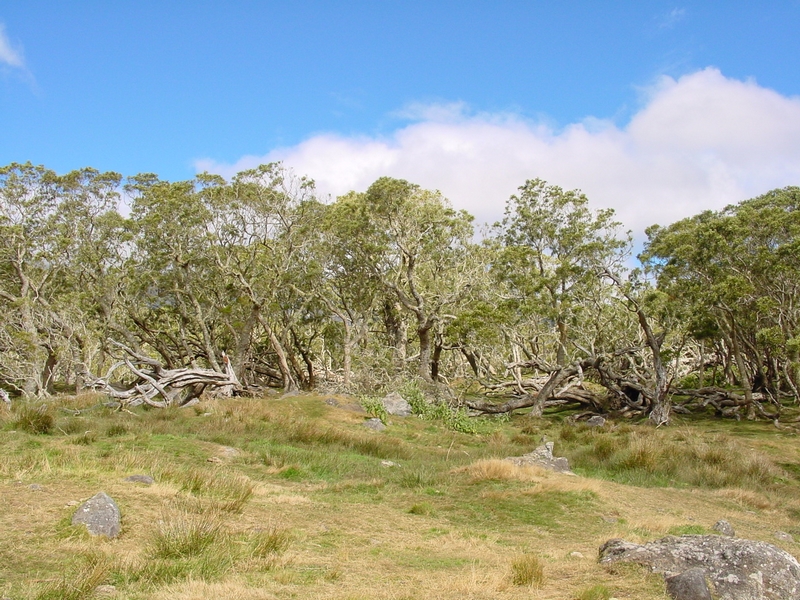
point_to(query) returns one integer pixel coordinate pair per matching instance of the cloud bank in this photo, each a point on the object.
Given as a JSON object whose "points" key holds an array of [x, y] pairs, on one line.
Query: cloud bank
{"points": [[699, 142], [8, 55]]}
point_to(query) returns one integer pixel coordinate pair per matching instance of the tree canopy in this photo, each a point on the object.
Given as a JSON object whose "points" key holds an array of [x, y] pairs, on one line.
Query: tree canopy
{"points": [[258, 278]]}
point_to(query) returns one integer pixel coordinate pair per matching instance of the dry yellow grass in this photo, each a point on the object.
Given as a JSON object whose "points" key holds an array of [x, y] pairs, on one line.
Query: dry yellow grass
{"points": [[353, 534]]}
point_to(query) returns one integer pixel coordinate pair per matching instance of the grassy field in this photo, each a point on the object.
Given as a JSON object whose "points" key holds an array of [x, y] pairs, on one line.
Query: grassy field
{"points": [[294, 498]]}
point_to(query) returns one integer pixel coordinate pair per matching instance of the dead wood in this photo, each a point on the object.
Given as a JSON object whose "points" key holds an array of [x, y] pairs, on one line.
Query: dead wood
{"points": [[157, 385]]}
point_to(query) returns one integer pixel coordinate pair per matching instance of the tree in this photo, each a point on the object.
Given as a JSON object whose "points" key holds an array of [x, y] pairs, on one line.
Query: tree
{"points": [[418, 248]]}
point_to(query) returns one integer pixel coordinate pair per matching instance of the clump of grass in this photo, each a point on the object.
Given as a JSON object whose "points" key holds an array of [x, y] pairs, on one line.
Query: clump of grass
{"points": [[419, 478], [79, 585], [688, 530], [270, 542], [37, 420], [596, 592], [494, 469], [230, 491], [646, 456], [87, 438], [116, 430], [527, 570], [422, 508], [183, 534]]}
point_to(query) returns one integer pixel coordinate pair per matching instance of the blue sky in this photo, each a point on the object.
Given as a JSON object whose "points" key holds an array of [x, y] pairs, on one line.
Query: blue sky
{"points": [[468, 97]]}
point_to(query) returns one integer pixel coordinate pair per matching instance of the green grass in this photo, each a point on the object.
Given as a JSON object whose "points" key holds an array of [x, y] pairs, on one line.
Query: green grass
{"points": [[343, 511], [644, 456]]}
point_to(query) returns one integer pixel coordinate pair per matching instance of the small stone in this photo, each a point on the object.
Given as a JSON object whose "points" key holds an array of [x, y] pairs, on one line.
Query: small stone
{"points": [[610, 519], [783, 536], [576, 554], [596, 421], [145, 479], [35, 487], [723, 527], [396, 405], [214, 459], [105, 590], [100, 514], [72, 503], [689, 585], [374, 424], [389, 463]]}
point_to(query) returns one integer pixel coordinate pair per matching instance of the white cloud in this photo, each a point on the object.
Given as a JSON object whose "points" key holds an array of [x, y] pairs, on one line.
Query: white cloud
{"points": [[674, 16], [9, 55], [700, 142]]}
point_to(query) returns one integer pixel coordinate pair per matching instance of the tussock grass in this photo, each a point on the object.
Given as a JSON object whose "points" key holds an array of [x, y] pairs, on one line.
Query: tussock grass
{"points": [[500, 470], [229, 491], [647, 456], [181, 533], [528, 570], [446, 521], [78, 585], [270, 542], [37, 420], [596, 592]]}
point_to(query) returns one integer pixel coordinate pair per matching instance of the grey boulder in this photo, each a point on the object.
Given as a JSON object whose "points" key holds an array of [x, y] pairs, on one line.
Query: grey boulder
{"points": [[738, 569], [396, 405], [100, 514]]}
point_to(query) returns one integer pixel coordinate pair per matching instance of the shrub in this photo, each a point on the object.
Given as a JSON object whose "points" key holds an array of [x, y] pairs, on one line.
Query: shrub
{"points": [[374, 407]]}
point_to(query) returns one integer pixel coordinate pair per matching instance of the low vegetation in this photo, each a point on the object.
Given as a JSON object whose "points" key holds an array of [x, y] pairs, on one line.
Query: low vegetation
{"points": [[293, 497]]}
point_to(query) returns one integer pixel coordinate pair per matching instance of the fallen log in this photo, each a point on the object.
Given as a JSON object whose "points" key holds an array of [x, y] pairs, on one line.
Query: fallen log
{"points": [[157, 386]]}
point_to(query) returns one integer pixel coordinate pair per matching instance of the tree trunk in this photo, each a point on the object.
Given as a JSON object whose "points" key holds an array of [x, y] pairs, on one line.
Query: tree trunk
{"points": [[424, 334]]}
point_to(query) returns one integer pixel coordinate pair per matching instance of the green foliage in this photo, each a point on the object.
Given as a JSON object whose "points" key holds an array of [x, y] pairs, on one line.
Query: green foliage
{"points": [[374, 407]]}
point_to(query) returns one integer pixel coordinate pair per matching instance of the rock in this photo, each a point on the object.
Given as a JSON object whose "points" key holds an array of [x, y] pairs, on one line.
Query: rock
{"points": [[576, 554], [36, 487], [724, 528], [374, 424], [542, 457], [783, 536], [105, 590], [145, 479], [396, 405], [596, 421], [100, 514], [389, 463], [351, 406], [738, 569], [214, 459], [689, 585]]}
